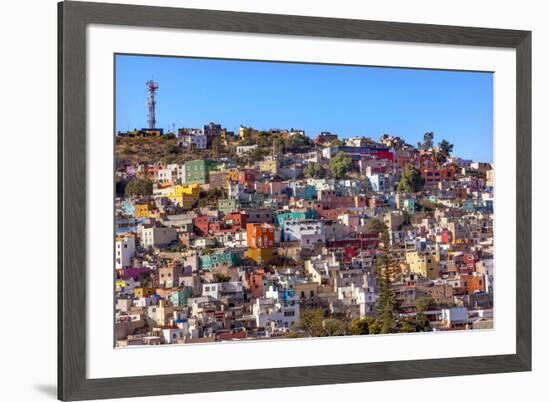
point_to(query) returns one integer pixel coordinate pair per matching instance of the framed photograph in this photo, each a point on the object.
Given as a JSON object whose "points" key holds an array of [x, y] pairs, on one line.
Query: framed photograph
{"points": [[256, 201]]}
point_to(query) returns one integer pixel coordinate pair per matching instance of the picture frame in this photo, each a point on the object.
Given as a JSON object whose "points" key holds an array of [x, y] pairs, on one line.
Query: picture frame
{"points": [[73, 19]]}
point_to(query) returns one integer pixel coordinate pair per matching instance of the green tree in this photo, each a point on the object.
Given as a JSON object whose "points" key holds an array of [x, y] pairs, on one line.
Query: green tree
{"points": [[362, 326], [146, 281], [407, 325], [421, 323], [411, 180], [424, 303], [335, 327], [120, 187], [219, 277], [425, 205], [376, 226], [218, 147], [445, 147], [279, 145], [139, 187], [428, 141], [297, 143], [315, 171], [311, 321], [340, 165], [173, 149], [387, 305], [210, 197]]}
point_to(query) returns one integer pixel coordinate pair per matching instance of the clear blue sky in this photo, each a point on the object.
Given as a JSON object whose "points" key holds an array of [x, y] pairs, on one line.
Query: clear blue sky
{"points": [[349, 101]]}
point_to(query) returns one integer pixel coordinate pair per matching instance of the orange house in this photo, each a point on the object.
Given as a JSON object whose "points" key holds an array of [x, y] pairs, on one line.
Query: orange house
{"points": [[143, 292], [472, 283], [255, 281], [260, 235]]}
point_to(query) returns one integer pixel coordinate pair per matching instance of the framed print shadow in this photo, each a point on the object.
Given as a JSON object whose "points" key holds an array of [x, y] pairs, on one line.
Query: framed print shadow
{"points": [[247, 253]]}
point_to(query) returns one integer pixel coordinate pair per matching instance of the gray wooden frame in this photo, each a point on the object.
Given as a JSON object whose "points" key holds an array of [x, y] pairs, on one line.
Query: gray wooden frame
{"points": [[73, 17]]}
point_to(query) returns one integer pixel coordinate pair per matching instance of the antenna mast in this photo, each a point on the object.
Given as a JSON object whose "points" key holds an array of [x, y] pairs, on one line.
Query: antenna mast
{"points": [[152, 88]]}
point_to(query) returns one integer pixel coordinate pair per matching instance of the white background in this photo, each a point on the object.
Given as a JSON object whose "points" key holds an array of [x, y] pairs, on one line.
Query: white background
{"points": [[104, 361], [28, 151]]}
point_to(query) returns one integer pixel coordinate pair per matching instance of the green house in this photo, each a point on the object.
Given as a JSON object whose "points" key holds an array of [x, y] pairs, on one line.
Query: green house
{"points": [[196, 172], [226, 206], [282, 217], [180, 297], [226, 258]]}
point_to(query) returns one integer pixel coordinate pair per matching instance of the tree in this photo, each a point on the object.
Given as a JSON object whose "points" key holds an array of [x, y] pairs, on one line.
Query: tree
{"points": [[387, 305], [335, 327], [315, 171], [218, 146], [120, 187], [279, 146], [281, 261], [297, 143], [444, 151], [421, 323], [428, 141], [424, 303], [362, 326], [425, 205], [337, 143], [210, 197], [219, 277], [340, 165], [445, 147], [418, 323], [376, 226], [411, 180], [311, 320], [139, 187]]}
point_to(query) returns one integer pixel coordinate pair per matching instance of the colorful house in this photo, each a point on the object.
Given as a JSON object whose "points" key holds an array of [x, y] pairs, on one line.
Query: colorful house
{"points": [[143, 292], [196, 172], [282, 217], [185, 195], [260, 235], [218, 260]]}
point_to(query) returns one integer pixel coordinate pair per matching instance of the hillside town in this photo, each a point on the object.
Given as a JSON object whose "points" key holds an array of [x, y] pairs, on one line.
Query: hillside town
{"points": [[272, 234]]}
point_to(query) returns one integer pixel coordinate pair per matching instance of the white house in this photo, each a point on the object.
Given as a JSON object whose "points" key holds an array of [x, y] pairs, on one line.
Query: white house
{"points": [[195, 138], [307, 232], [178, 172], [454, 316], [171, 335], [278, 311], [164, 175], [365, 297], [377, 182], [158, 237], [125, 249], [243, 149], [220, 289]]}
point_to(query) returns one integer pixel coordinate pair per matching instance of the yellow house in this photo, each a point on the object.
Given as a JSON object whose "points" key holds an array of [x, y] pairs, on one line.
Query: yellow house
{"points": [[185, 195], [141, 210], [306, 289], [260, 255], [424, 264], [143, 292], [146, 210], [232, 175], [120, 284], [246, 131], [270, 165]]}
